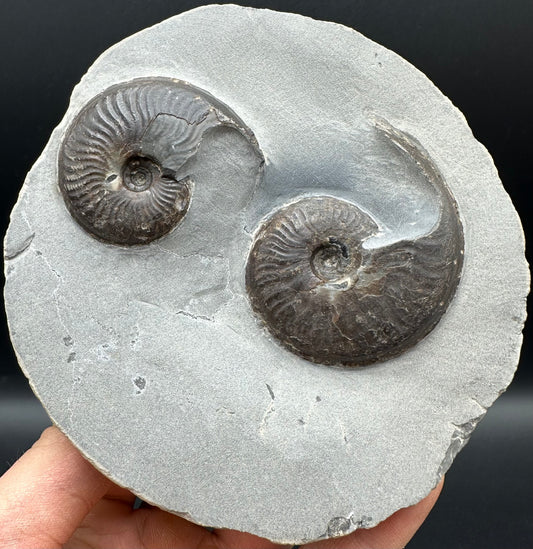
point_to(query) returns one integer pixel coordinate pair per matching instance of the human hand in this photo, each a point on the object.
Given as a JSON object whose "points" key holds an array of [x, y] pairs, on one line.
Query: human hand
{"points": [[52, 497]]}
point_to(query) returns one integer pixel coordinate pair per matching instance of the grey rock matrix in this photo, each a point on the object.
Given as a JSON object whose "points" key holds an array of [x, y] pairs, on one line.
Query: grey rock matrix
{"points": [[153, 361]]}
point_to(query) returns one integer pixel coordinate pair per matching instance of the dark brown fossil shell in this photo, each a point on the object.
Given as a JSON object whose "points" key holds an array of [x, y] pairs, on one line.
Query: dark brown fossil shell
{"points": [[328, 298], [119, 163]]}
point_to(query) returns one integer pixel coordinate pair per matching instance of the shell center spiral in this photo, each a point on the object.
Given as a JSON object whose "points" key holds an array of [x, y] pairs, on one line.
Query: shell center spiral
{"points": [[332, 260], [139, 172]]}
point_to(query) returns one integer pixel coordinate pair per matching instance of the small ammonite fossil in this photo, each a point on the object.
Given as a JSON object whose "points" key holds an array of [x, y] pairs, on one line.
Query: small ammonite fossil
{"points": [[330, 299], [119, 163]]}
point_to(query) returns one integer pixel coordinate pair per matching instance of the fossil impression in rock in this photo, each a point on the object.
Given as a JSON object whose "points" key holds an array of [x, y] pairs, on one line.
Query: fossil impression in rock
{"points": [[332, 300], [119, 164]]}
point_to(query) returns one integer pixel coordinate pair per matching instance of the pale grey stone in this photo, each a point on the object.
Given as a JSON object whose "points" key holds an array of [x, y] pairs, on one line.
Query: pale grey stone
{"points": [[150, 358]]}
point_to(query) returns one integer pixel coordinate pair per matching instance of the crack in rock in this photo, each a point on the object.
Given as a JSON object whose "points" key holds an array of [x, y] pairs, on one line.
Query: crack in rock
{"points": [[272, 396], [181, 312], [269, 410], [196, 317]]}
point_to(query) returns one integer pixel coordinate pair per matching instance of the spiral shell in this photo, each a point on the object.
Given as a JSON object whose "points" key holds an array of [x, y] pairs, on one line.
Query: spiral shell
{"points": [[120, 161], [330, 299]]}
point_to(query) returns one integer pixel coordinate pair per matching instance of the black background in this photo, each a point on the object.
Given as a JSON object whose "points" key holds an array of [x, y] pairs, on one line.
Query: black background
{"points": [[478, 52]]}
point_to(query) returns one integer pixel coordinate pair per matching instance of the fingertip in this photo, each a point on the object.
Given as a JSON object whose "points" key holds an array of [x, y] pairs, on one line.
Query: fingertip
{"points": [[51, 436], [47, 492]]}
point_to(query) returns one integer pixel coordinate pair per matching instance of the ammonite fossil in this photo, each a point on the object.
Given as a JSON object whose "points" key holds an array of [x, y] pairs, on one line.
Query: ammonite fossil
{"points": [[331, 299], [119, 165]]}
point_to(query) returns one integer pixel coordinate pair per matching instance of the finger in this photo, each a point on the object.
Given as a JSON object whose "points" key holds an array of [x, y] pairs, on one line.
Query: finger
{"points": [[46, 493], [239, 540], [393, 533], [112, 523], [119, 494], [158, 529]]}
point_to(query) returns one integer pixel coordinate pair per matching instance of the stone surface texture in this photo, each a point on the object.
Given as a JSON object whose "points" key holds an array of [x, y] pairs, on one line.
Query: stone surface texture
{"points": [[150, 358]]}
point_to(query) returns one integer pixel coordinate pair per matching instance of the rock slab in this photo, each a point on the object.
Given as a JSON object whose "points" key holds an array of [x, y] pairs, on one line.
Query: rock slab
{"points": [[150, 358]]}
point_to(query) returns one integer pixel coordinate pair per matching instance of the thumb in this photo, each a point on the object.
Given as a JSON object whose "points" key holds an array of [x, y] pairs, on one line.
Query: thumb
{"points": [[47, 493]]}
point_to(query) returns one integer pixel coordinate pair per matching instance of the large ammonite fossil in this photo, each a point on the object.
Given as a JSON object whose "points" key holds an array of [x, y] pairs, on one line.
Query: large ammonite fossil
{"points": [[331, 299], [120, 159]]}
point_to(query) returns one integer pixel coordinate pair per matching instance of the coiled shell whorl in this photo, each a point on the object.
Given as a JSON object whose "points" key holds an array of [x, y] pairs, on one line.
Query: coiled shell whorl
{"points": [[329, 299], [119, 163]]}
